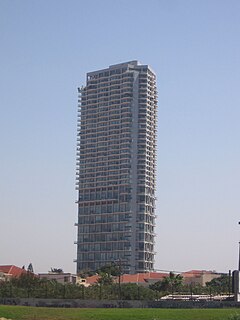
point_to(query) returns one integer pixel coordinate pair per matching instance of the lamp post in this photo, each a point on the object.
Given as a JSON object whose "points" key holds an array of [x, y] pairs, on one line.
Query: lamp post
{"points": [[238, 253], [236, 281], [229, 282], [239, 256]]}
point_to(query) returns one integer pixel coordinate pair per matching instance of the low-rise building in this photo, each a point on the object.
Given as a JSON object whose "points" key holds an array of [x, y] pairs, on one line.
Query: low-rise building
{"points": [[64, 277], [193, 277], [3, 276], [200, 277], [91, 280], [11, 271], [82, 281], [144, 279]]}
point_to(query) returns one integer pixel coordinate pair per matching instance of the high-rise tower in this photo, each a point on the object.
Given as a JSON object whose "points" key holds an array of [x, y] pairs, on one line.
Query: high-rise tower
{"points": [[116, 168]]}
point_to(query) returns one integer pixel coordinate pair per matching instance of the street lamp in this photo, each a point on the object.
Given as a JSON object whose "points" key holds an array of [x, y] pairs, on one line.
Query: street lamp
{"points": [[236, 279], [238, 253]]}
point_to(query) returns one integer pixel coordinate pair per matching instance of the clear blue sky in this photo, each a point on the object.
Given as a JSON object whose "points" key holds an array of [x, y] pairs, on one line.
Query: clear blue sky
{"points": [[47, 47]]}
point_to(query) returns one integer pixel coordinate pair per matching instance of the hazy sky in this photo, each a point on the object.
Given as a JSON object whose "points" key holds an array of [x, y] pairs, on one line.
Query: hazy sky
{"points": [[47, 47]]}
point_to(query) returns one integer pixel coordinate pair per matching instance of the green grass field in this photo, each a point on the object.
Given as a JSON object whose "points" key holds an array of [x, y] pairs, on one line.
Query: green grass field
{"points": [[34, 313]]}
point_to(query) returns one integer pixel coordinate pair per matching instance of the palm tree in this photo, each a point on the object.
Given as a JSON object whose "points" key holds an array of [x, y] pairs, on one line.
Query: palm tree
{"points": [[170, 284]]}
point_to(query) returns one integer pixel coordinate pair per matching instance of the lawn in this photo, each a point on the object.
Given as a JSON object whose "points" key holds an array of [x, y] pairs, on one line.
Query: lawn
{"points": [[35, 313]]}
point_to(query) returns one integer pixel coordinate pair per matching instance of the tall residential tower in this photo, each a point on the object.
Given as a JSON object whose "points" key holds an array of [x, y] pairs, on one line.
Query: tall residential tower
{"points": [[116, 168]]}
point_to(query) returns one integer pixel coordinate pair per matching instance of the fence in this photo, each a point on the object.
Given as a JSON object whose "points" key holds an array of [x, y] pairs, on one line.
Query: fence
{"points": [[78, 303]]}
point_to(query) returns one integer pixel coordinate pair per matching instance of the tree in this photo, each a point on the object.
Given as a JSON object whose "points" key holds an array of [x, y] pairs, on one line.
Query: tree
{"points": [[85, 273], [133, 291], [158, 286], [105, 279], [107, 273], [112, 269], [30, 268], [26, 281], [220, 285], [170, 284]]}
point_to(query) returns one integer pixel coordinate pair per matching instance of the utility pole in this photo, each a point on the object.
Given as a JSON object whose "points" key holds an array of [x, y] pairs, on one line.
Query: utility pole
{"points": [[119, 264], [119, 279]]}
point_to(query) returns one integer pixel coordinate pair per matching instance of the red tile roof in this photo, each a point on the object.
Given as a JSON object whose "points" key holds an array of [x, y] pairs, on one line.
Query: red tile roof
{"points": [[156, 275], [142, 277], [93, 279], [12, 270], [194, 273], [132, 278]]}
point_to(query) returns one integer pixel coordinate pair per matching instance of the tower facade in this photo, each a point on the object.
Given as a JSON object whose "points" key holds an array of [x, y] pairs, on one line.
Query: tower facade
{"points": [[116, 168]]}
